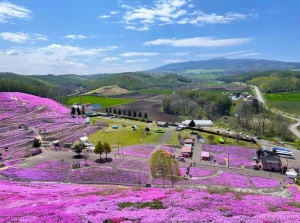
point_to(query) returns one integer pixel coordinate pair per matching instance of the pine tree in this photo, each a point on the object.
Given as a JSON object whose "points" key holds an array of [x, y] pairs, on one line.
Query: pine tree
{"points": [[36, 143], [134, 114], [106, 110], [119, 112], [115, 111], [83, 110], [192, 124], [78, 111], [110, 111], [129, 113], [140, 115], [146, 116], [73, 111], [124, 112]]}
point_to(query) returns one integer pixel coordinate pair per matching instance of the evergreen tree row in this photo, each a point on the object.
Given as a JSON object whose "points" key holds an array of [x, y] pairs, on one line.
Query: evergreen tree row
{"points": [[128, 113]]}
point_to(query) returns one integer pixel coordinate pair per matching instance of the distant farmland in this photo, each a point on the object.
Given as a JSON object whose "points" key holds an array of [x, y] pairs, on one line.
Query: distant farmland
{"points": [[288, 102], [104, 102], [157, 91]]}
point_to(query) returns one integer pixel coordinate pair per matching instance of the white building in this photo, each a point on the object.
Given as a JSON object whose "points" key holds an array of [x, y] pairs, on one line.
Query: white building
{"points": [[201, 123]]}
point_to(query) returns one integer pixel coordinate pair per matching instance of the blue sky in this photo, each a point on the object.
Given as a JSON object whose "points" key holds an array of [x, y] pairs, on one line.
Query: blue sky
{"points": [[87, 37]]}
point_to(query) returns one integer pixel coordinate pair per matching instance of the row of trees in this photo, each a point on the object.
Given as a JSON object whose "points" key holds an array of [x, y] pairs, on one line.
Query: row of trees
{"points": [[78, 110], [128, 113], [164, 167]]}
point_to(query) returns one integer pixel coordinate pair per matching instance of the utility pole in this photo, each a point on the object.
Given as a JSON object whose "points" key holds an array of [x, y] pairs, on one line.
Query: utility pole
{"points": [[228, 160]]}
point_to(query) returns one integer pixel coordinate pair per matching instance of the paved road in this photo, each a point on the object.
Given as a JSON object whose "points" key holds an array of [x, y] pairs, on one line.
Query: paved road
{"points": [[292, 127]]}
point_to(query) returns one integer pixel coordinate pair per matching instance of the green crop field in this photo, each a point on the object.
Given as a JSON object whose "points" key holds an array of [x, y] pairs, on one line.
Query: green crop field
{"points": [[104, 102], [157, 91], [288, 102]]}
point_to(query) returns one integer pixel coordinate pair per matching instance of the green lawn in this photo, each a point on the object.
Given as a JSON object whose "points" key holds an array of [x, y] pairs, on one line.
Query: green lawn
{"points": [[173, 140], [125, 135], [288, 102], [104, 102], [157, 91]]}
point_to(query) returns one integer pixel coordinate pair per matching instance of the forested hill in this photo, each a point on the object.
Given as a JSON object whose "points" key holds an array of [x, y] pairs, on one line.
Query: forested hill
{"points": [[137, 80], [57, 86], [230, 65], [269, 81]]}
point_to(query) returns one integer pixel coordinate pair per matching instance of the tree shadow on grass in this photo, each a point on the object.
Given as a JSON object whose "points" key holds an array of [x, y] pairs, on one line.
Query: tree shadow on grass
{"points": [[78, 156], [108, 160]]}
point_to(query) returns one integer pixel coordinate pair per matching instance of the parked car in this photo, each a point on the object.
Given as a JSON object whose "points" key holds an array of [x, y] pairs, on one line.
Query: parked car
{"points": [[180, 158]]}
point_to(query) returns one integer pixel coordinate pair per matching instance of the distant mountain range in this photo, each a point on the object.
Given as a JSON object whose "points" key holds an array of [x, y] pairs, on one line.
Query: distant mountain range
{"points": [[231, 66]]}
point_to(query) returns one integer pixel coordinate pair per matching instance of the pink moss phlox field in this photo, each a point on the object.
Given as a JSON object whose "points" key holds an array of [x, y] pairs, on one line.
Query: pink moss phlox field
{"points": [[35, 174], [263, 182], [112, 163], [197, 172], [135, 165], [169, 149], [13, 162], [295, 192], [38, 202], [109, 175], [139, 151], [53, 164]]}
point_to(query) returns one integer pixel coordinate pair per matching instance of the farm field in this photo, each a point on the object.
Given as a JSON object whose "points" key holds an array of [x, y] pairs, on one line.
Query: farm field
{"points": [[157, 91], [109, 90], [288, 102], [104, 102], [125, 135]]}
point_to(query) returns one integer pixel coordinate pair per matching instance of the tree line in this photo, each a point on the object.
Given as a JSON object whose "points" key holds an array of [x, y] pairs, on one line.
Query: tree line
{"points": [[269, 81], [128, 113], [197, 104]]}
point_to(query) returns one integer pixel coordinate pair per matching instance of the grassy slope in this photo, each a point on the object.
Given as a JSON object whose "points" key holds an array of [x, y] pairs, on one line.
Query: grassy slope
{"points": [[157, 91], [289, 102], [124, 135], [114, 89], [104, 102]]}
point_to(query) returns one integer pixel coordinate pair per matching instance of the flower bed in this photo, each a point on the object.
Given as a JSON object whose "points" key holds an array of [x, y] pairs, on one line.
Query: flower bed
{"points": [[140, 151], [295, 192], [135, 165], [112, 162], [109, 175], [13, 162], [53, 164], [197, 172], [262, 182], [234, 160], [168, 149], [35, 174], [61, 203]]}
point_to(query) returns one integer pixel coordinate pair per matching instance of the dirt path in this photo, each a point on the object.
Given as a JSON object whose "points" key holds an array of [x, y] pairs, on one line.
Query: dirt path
{"points": [[292, 127]]}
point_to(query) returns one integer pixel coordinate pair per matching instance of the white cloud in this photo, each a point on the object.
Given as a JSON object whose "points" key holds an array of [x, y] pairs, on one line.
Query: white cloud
{"points": [[114, 12], [172, 61], [136, 61], [40, 37], [68, 50], [164, 12], [103, 16], [223, 54], [250, 54], [57, 59], [137, 54], [109, 59], [15, 37], [75, 37], [179, 54], [9, 11], [234, 54], [20, 37], [144, 28], [198, 42]]}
